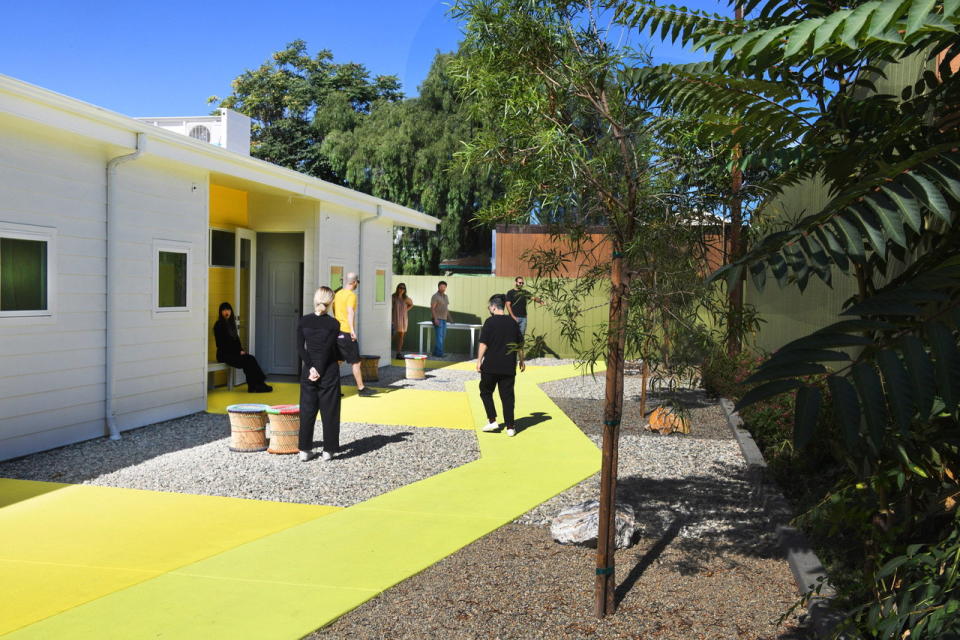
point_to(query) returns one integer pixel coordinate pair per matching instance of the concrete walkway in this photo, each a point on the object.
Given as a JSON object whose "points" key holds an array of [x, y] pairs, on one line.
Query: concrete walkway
{"points": [[96, 562]]}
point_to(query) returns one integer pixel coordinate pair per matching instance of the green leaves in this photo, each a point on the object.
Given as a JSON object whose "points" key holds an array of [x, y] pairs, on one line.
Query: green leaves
{"points": [[858, 224], [807, 411]]}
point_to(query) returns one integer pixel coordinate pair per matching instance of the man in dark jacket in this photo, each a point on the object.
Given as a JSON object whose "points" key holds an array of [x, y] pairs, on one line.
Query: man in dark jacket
{"points": [[500, 350]]}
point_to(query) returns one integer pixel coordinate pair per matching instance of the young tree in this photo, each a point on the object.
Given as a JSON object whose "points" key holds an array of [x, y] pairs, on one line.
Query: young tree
{"points": [[575, 146]]}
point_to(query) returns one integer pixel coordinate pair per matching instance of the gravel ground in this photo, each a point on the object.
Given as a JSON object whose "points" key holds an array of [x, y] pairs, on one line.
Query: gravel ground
{"points": [[706, 420], [594, 386], [705, 565], [190, 455], [434, 379], [518, 583]]}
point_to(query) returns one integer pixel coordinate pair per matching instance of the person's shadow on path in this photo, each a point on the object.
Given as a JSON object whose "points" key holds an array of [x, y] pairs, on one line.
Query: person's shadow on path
{"points": [[368, 444], [532, 420]]}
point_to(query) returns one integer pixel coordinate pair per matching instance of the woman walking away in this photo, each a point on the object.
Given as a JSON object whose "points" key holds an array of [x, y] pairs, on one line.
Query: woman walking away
{"points": [[320, 380], [231, 352], [401, 307]]}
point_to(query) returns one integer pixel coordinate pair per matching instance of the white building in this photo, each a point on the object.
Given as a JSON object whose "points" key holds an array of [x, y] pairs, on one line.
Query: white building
{"points": [[119, 239]]}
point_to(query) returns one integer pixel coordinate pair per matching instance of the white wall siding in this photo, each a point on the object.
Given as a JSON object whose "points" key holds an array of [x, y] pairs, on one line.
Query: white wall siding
{"points": [[51, 367], [375, 319], [52, 375], [160, 356]]}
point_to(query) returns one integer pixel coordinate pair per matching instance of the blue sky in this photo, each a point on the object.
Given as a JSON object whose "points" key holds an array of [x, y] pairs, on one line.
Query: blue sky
{"points": [[165, 59]]}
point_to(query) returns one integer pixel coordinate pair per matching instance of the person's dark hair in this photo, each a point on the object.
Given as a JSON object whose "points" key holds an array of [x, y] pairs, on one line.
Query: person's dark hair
{"points": [[499, 301], [397, 291], [441, 282], [230, 322]]}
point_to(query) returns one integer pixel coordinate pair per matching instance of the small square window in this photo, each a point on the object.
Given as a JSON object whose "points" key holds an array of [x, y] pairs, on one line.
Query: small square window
{"points": [[23, 275], [222, 248]]}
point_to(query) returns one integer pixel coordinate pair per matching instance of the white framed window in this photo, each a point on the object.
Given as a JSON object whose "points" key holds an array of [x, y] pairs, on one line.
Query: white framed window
{"points": [[172, 272], [27, 270]]}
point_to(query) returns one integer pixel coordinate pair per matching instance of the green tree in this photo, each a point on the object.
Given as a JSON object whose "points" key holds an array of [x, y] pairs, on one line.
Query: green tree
{"points": [[404, 152], [296, 101], [825, 91], [576, 147]]}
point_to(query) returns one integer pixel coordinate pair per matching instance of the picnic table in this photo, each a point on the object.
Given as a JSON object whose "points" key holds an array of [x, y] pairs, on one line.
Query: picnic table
{"points": [[472, 328]]}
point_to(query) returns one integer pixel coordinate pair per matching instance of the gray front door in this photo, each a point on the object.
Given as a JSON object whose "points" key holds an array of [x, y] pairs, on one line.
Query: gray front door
{"points": [[279, 300], [284, 312]]}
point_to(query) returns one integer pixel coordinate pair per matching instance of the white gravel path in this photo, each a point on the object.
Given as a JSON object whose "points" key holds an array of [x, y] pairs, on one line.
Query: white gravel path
{"points": [[191, 455]]}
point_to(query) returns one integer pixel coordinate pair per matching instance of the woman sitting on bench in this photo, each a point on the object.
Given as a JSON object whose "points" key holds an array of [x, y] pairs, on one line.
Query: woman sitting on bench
{"points": [[230, 351]]}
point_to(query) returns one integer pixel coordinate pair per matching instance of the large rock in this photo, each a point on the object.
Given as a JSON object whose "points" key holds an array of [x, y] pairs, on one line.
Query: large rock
{"points": [[579, 524]]}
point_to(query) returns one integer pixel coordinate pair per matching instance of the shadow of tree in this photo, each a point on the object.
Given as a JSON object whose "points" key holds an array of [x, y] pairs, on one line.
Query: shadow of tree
{"points": [[648, 558]]}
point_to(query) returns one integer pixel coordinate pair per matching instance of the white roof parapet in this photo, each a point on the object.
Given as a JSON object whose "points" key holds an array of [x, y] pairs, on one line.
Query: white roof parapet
{"points": [[49, 108]]}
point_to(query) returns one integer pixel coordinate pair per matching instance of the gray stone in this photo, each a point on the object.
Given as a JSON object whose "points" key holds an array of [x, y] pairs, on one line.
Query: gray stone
{"points": [[579, 524]]}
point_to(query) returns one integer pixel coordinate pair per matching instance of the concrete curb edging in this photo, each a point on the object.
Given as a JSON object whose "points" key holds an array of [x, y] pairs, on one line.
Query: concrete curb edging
{"points": [[807, 569]]}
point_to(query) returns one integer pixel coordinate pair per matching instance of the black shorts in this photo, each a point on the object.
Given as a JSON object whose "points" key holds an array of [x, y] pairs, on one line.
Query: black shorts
{"points": [[348, 348]]}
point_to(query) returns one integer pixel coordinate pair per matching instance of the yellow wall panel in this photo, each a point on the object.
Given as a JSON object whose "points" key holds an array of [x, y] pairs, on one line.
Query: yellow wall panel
{"points": [[228, 207], [220, 289]]}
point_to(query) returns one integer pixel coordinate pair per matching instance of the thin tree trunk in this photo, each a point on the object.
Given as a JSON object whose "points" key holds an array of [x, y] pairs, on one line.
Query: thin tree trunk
{"points": [[735, 294], [644, 381], [605, 586]]}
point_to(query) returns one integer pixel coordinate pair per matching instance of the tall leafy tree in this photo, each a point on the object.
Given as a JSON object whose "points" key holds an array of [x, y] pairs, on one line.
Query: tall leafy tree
{"points": [[404, 152], [826, 90], [575, 145], [297, 100]]}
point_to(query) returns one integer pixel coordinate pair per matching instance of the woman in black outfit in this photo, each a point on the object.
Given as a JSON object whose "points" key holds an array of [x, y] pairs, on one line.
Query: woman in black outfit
{"points": [[230, 351], [320, 378]]}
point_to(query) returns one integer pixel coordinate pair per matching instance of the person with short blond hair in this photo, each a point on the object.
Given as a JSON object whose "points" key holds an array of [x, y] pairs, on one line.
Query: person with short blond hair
{"points": [[317, 334]]}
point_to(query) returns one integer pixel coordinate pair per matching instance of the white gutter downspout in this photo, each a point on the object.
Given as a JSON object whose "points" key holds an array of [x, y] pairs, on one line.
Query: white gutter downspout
{"points": [[110, 377], [360, 257]]}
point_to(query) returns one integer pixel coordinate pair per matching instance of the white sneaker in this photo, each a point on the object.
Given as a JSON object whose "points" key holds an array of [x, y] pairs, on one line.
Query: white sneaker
{"points": [[306, 456], [511, 432], [326, 456], [493, 426]]}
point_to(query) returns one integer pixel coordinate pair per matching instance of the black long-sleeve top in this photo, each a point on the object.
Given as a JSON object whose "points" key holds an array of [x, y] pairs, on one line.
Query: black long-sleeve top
{"points": [[317, 342], [228, 345]]}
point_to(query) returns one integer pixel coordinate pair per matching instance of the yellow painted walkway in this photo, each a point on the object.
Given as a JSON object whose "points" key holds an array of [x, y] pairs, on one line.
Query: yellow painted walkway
{"points": [[98, 562]]}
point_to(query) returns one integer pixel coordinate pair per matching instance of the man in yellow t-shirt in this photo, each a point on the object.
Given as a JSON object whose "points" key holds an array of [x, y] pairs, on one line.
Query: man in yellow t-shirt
{"points": [[345, 311]]}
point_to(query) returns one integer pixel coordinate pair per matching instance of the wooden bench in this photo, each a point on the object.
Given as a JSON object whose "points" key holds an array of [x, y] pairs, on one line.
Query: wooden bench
{"points": [[213, 367]]}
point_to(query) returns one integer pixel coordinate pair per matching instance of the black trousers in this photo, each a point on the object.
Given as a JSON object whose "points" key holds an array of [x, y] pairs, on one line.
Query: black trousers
{"points": [[251, 370], [489, 381], [323, 397]]}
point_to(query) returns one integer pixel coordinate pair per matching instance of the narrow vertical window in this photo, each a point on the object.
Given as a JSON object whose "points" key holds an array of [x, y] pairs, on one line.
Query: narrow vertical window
{"points": [[172, 279], [336, 277], [381, 285]]}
